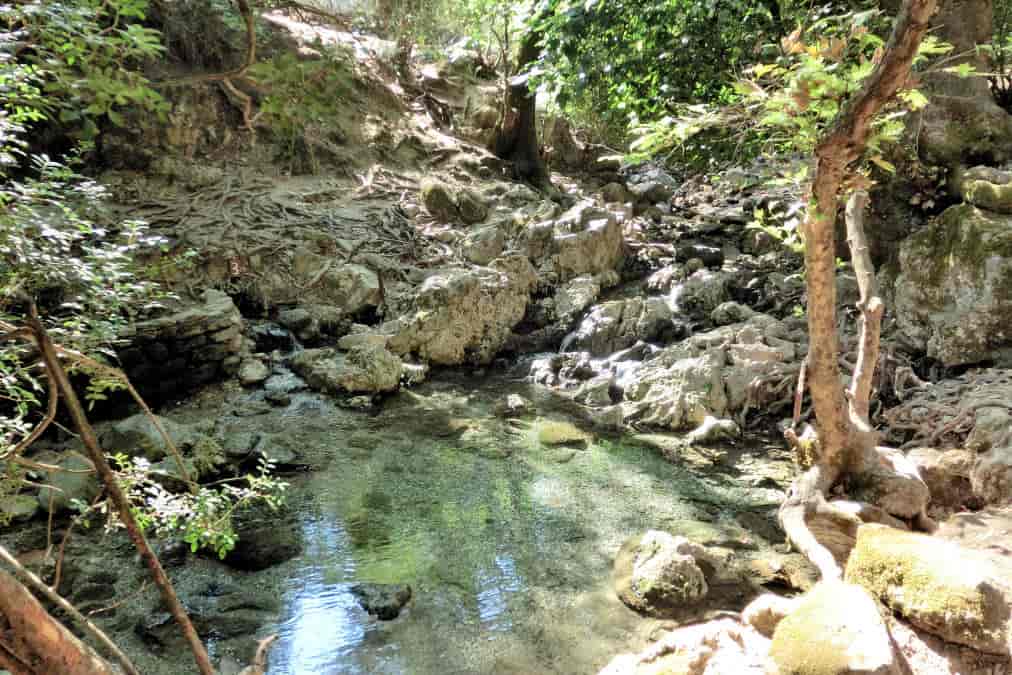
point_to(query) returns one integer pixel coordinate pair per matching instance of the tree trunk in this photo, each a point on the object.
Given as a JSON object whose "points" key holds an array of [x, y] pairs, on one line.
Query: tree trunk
{"points": [[518, 137], [33, 642], [846, 444]]}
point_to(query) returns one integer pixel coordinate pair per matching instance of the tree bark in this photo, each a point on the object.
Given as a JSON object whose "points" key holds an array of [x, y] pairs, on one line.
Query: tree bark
{"points": [[846, 443], [517, 140], [34, 642]]}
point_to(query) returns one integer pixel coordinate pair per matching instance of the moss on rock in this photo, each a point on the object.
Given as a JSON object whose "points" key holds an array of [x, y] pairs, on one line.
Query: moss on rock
{"points": [[837, 629], [938, 586]]}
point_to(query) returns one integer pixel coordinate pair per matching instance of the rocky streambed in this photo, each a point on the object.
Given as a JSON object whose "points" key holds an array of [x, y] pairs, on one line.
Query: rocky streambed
{"points": [[445, 531]]}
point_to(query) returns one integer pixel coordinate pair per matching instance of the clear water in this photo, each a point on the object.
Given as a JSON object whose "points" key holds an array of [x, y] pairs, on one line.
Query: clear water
{"points": [[506, 543]]}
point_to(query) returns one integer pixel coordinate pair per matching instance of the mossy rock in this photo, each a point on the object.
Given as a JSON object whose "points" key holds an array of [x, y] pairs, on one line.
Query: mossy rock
{"points": [[554, 432], [936, 585], [472, 207], [439, 201], [953, 292], [987, 188], [837, 629]]}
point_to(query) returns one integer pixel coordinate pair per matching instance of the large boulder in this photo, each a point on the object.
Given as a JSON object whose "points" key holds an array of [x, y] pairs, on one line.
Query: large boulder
{"points": [[837, 629], [463, 315], [658, 574], [711, 374], [586, 239], [936, 585], [364, 369], [350, 288], [953, 290]]}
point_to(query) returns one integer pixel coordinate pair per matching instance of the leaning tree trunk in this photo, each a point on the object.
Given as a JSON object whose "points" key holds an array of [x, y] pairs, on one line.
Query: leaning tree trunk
{"points": [[34, 643], [846, 444], [517, 140]]}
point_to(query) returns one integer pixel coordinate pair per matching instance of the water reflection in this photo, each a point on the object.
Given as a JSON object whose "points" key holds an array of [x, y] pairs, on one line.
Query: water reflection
{"points": [[495, 586]]}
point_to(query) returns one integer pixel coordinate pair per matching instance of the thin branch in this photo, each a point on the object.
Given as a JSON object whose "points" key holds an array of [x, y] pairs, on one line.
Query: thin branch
{"points": [[870, 304]]}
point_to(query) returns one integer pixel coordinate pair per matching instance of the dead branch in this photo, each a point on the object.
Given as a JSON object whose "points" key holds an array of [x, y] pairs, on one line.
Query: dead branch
{"points": [[39, 586], [870, 305]]}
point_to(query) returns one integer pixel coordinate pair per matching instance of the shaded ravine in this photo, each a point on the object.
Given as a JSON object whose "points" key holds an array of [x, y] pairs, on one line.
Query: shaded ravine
{"points": [[507, 544]]}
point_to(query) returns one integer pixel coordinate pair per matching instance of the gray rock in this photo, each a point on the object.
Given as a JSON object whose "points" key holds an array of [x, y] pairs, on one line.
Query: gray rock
{"points": [[267, 537], [484, 245], [384, 601], [68, 487], [657, 574], [514, 405], [586, 239], [137, 436], [253, 372], [730, 312], [953, 289], [439, 200], [615, 193], [471, 207], [615, 325], [365, 369], [701, 293]]}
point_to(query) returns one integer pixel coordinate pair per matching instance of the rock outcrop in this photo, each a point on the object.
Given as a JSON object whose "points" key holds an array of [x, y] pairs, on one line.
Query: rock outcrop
{"points": [[658, 574], [364, 369], [953, 290]]}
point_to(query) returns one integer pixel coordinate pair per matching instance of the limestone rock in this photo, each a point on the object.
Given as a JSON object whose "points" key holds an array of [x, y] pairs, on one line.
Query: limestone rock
{"points": [[837, 629], [576, 295], [657, 574], [936, 585], [722, 647], [615, 193], [701, 293], [464, 316], [267, 537], [514, 405], [368, 369], [991, 476], [730, 312], [651, 184], [953, 291], [618, 324], [471, 207], [585, 240], [253, 372], [484, 245], [68, 487], [947, 475], [137, 436]]}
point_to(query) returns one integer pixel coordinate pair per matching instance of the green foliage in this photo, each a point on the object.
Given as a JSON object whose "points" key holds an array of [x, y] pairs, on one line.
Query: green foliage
{"points": [[202, 519], [83, 54], [302, 105], [632, 60]]}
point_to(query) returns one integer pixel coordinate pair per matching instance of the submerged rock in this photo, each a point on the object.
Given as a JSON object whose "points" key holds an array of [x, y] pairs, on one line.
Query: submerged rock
{"points": [[555, 432], [936, 585], [384, 601], [658, 574], [837, 629]]}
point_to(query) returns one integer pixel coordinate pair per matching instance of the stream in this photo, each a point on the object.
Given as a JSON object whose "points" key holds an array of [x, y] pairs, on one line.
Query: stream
{"points": [[506, 542]]}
